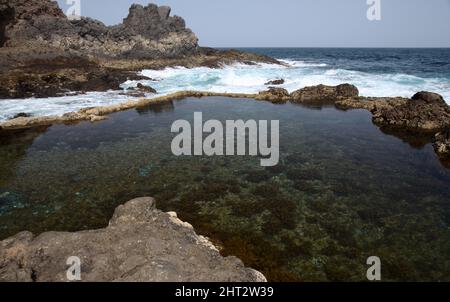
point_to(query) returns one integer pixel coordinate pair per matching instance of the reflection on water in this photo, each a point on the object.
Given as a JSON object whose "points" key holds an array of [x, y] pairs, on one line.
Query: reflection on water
{"points": [[343, 190]]}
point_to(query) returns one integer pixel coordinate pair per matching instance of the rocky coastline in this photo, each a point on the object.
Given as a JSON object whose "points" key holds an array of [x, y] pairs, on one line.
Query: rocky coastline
{"points": [[422, 119], [44, 54], [141, 243]]}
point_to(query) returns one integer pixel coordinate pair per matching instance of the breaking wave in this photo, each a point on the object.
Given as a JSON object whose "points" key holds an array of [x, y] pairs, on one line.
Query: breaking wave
{"points": [[237, 78]]}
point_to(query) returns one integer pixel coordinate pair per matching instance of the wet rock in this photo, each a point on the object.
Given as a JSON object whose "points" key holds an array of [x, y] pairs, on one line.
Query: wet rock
{"points": [[140, 244], [22, 114], [51, 83], [145, 88], [275, 82], [324, 94], [133, 94]]}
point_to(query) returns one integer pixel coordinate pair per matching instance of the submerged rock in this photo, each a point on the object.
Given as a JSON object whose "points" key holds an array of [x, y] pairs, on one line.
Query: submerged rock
{"points": [[140, 244], [442, 144]]}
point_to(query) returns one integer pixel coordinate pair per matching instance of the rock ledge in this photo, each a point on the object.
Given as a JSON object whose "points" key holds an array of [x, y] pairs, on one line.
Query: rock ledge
{"points": [[140, 244]]}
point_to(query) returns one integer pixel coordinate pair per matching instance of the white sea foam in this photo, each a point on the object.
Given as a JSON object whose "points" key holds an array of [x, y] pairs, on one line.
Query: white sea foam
{"points": [[58, 105], [237, 78]]}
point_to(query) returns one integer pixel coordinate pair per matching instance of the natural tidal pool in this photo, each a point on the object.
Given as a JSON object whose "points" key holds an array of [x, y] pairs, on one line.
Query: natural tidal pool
{"points": [[342, 192]]}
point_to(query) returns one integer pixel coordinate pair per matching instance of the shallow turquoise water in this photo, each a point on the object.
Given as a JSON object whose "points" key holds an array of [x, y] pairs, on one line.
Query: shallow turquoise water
{"points": [[343, 190]]}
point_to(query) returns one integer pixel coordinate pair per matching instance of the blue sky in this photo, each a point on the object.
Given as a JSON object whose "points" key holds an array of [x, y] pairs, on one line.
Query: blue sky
{"points": [[298, 23]]}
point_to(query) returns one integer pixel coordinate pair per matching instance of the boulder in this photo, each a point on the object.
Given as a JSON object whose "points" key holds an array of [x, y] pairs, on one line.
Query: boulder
{"points": [[140, 244], [274, 95], [145, 89]]}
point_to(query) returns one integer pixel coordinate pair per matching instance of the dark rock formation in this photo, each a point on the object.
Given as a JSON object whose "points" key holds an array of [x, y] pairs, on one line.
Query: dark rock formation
{"points": [[140, 244], [41, 82], [148, 32], [275, 82], [43, 53], [324, 94], [140, 91], [22, 114], [146, 89], [425, 111]]}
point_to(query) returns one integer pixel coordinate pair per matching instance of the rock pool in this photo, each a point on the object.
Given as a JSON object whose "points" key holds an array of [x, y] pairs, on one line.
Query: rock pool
{"points": [[343, 190]]}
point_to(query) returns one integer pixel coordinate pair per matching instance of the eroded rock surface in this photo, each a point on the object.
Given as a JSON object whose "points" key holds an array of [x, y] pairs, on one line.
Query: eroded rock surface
{"points": [[322, 93], [274, 95], [140, 244], [147, 31], [425, 111]]}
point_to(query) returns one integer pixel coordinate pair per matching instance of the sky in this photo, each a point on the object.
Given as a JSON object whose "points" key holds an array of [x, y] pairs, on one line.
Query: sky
{"points": [[297, 23]]}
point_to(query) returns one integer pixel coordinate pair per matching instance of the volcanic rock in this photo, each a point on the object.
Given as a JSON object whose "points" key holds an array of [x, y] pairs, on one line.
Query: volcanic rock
{"points": [[140, 244], [324, 94]]}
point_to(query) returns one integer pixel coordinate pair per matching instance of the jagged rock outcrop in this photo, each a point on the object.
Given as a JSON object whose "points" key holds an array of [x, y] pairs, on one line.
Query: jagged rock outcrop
{"points": [[323, 93], [425, 111], [140, 244], [147, 32]]}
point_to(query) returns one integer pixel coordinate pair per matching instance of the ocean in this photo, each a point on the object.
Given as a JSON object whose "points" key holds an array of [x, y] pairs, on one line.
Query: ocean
{"points": [[376, 72]]}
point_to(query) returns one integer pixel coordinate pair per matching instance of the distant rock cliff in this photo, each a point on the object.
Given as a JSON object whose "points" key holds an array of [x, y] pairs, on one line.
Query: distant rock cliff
{"points": [[147, 32], [44, 54]]}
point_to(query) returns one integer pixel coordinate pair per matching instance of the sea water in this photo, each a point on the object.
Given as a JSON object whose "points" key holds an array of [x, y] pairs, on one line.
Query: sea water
{"points": [[376, 72]]}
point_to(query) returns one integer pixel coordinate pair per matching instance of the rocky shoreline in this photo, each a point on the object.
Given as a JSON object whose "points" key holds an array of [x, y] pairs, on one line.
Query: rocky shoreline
{"points": [[141, 243], [422, 119], [44, 54]]}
